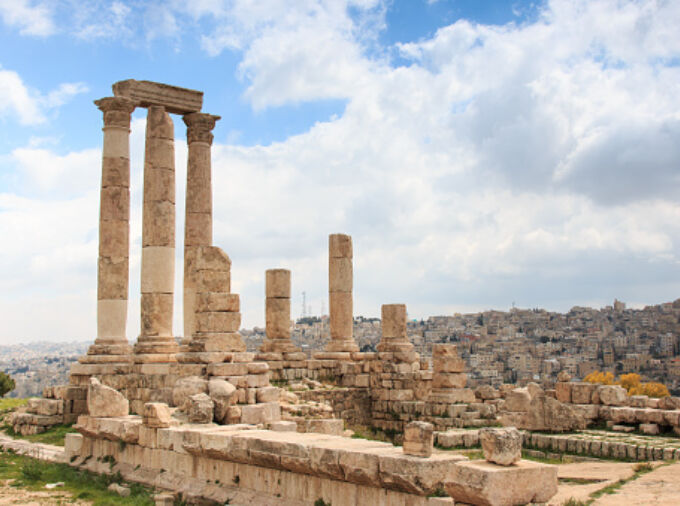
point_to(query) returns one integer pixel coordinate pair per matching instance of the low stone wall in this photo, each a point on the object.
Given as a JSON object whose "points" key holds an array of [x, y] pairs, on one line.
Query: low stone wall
{"points": [[223, 463]]}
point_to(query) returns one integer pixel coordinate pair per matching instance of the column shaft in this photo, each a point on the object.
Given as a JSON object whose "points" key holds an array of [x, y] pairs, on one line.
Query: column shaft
{"points": [[277, 313], [198, 215], [156, 342], [340, 294], [114, 233]]}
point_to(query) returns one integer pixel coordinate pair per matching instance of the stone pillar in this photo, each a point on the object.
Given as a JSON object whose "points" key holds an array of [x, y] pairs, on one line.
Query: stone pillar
{"points": [[394, 339], [340, 294], [156, 342], [198, 215], [448, 377], [277, 313], [111, 344]]}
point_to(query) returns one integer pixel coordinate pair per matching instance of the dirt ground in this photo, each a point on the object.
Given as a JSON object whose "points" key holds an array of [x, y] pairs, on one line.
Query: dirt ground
{"points": [[20, 496]]}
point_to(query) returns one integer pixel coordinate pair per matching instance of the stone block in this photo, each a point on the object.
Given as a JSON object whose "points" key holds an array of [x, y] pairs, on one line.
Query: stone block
{"points": [[418, 439], [200, 408], [649, 428], [283, 426], [484, 483], [277, 283], [517, 400], [394, 320], [147, 93], [613, 395], [277, 318], [563, 391], [449, 380], [268, 394], [333, 426], [157, 414], [216, 301], [103, 401], [218, 322], [341, 315], [449, 365], [339, 246], [186, 387], [213, 281], [501, 446], [261, 413], [581, 393], [228, 369], [444, 351]]}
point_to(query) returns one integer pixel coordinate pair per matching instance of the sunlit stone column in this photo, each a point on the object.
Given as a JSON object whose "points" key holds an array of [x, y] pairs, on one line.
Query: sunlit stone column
{"points": [[156, 342], [340, 294], [198, 217], [111, 344], [277, 313], [395, 334]]}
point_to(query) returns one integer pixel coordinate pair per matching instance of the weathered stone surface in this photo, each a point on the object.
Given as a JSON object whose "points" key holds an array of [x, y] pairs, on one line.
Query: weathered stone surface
{"points": [[564, 376], [186, 387], [418, 439], [218, 322], [148, 93], [215, 301], [517, 400], [534, 389], [501, 446], [199, 408], [222, 394], [449, 380], [261, 413], [548, 414], [563, 391], [484, 483], [277, 283], [157, 415], [104, 401], [613, 395], [394, 320], [582, 393]]}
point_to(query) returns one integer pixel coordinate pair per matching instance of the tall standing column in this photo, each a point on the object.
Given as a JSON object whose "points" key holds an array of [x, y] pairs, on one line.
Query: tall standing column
{"points": [[156, 342], [198, 214], [111, 344], [340, 294]]}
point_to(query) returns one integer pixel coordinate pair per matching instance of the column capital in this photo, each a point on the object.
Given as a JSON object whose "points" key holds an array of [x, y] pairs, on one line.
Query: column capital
{"points": [[199, 126], [117, 111]]}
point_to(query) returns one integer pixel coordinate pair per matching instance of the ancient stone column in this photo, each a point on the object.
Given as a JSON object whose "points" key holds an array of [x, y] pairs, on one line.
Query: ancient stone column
{"points": [[277, 313], [111, 344], [198, 217], [340, 294], [156, 342], [394, 334]]}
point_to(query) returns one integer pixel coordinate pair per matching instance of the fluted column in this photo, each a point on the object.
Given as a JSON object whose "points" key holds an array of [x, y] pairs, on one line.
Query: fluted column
{"points": [[340, 280], [198, 214], [156, 342], [111, 344]]}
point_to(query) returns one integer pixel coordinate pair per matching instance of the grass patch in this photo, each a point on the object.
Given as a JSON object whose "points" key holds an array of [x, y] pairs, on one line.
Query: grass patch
{"points": [[32, 474], [574, 502], [10, 404], [52, 436]]}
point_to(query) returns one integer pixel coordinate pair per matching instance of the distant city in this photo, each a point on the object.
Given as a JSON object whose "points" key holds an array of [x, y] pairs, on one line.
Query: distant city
{"points": [[516, 346]]}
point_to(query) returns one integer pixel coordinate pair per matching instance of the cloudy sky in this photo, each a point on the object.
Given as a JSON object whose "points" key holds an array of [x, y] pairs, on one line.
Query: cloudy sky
{"points": [[480, 153]]}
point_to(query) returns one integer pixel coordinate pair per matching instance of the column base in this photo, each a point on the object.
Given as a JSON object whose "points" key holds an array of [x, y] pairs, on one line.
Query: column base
{"points": [[344, 345], [401, 350], [108, 351], [155, 349], [279, 346]]}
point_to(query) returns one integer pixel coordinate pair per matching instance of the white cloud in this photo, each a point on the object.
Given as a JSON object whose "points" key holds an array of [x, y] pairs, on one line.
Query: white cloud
{"points": [[32, 18], [29, 105]]}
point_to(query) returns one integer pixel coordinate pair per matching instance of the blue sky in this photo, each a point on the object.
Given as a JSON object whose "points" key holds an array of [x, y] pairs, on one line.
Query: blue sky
{"points": [[479, 152]]}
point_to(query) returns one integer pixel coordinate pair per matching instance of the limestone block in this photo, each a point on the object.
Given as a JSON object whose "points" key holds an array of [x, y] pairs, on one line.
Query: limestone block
{"points": [[277, 312], [172, 98], [340, 274], [277, 283], [47, 407], [339, 245], [212, 301], [218, 341], [613, 395], [157, 415], [197, 229], [257, 380], [581, 393], [186, 387], [669, 403], [440, 350], [215, 321], [116, 171], [394, 320], [649, 428], [213, 281], [454, 364], [268, 394], [199, 408], [228, 369], [534, 389], [112, 281], [418, 439], [222, 394], [159, 154], [261, 413], [333, 426], [114, 238], [479, 482], [73, 444], [486, 392], [638, 401], [103, 401], [341, 315], [158, 269], [114, 203], [158, 223], [449, 380], [563, 391], [501, 446], [283, 426], [212, 258]]}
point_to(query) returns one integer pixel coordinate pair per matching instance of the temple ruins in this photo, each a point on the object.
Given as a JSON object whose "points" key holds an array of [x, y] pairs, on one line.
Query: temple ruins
{"points": [[198, 416]]}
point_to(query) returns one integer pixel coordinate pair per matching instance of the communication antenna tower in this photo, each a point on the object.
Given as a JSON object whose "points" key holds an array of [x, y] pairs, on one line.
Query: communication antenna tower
{"points": [[304, 304], [323, 307]]}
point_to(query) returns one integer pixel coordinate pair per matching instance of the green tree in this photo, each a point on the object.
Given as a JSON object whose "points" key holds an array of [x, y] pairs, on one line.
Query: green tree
{"points": [[6, 384]]}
